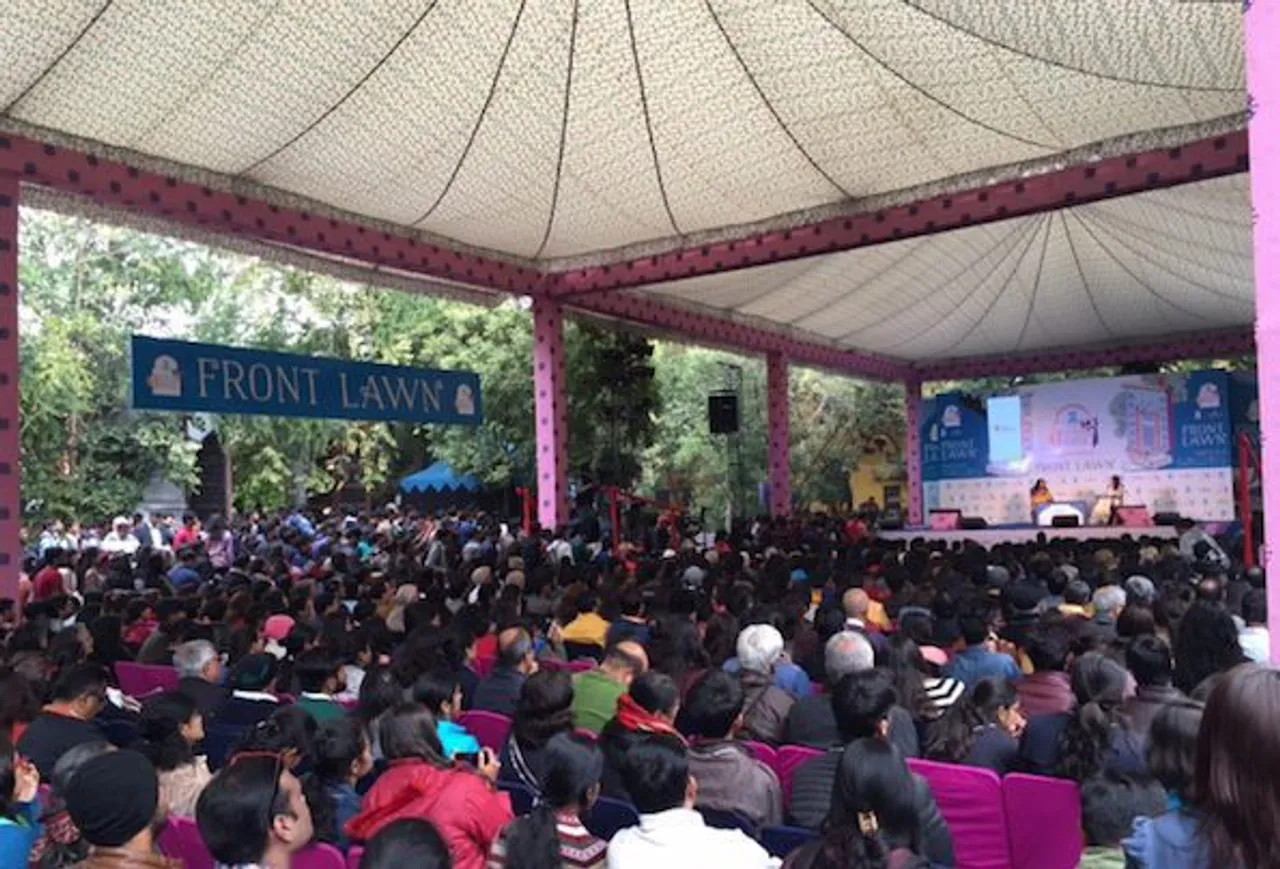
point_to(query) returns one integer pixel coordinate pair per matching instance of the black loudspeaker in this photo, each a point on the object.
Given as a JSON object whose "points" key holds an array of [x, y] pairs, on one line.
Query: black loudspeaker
{"points": [[1066, 521], [722, 411], [972, 523], [1166, 519], [891, 522]]}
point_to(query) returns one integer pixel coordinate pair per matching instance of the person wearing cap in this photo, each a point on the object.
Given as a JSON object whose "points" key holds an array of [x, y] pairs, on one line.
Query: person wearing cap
{"points": [[251, 699], [120, 538], [114, 800]]}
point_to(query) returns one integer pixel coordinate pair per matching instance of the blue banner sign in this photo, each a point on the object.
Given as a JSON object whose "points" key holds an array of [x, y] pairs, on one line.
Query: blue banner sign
{"points": [[208, 378]]}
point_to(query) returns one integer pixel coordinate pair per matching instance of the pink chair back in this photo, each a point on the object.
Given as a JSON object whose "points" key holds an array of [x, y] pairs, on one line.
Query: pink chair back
{"points": [[972, 803], [137, 680], [1044, 821], [582, 665], [319, 856], [766, 754], [181, 840], [553, 666], [354, 856], [483, 666], [489, 728], [788, 759]]}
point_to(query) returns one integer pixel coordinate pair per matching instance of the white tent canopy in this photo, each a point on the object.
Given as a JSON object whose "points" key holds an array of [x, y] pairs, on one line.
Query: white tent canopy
{"points": [[570, 131]]}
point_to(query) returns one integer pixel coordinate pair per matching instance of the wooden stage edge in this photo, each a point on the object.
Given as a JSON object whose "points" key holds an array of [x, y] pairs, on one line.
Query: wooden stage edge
{"points": [[1027, 534]]}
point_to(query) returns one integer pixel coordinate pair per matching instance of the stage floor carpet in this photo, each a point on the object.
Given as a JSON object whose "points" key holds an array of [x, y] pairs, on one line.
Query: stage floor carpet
{"points": [[1027, 533]]}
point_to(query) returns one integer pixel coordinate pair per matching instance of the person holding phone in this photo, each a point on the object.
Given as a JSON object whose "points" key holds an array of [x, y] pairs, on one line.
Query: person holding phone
{"points": [[19, 810]]}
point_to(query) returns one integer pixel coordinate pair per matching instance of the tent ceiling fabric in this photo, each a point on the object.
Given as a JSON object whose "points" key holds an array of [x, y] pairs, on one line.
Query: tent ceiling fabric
{"points": [[1163, 262], [591, 129]]}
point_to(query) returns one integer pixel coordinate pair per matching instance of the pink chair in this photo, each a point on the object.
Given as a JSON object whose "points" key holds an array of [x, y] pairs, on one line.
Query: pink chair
{"points": [[137, 680], [354, 856], [972, 802], [181, 840], [1044, 821], [766, 754], [484, 666], [489, 728], [552, 665], [788, 759], [319, 856], [582, 665]]}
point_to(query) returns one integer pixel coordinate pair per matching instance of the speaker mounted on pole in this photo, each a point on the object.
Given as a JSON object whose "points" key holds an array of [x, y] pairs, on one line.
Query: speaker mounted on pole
{"points": [[722, 413]]}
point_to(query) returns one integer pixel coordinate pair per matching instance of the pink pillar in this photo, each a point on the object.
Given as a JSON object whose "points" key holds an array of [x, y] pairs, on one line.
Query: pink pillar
{"points": [[551, 410], [10, 438], [779, 377], [915, 466], [1262, 36]]}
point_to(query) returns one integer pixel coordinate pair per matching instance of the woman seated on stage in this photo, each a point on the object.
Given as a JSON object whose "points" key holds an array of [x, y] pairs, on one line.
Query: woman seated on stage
{"points": [[1040, 497]]}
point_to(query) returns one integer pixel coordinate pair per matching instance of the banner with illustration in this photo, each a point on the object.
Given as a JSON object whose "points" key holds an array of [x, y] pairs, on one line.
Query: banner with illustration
{"points": [[1153, 431]]}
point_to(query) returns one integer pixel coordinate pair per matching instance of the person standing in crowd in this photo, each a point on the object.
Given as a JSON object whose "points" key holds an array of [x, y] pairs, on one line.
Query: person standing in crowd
{"points": [[596, 692], [253, 813], [671, 834]]}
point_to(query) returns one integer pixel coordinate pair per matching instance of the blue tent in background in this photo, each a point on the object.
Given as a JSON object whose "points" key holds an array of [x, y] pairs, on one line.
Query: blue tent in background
{"points": [[439, 478]]}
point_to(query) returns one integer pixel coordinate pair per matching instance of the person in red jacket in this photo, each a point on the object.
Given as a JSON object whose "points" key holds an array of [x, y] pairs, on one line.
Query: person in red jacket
{"points": [[461, 802]]}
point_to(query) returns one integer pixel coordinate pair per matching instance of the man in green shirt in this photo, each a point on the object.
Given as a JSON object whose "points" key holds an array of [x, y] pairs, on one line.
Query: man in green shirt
{"points": [[596, 692]]}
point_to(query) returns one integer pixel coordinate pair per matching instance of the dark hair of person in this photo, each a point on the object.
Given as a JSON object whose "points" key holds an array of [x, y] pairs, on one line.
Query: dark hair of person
{"points": [[655, 692], [573, 765], [1237, 767], [289, 729], [434, 689], [1110, 802], [407, 842], [977, 708], [108, 640], [974, 621], [1099, 685], [721, 638], [872, 809], [18, 701], [8, 777], [1135, 621], [655, 773], [409, 731], [544, 708], [900, 658], [337, 745], [860, 702], [1253, 608], [1048, 645], [313, 668], [1206, 642], [80, 681], [1171, 746], [379, 691], [676, 649], [65, 650], [514, 649], [1148, 658], [236, 810], [713, 706], [160, 730], [58, 851]]}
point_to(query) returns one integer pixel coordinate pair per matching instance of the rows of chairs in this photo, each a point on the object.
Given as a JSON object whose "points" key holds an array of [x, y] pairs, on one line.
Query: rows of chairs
{"points": [[180, 840]]}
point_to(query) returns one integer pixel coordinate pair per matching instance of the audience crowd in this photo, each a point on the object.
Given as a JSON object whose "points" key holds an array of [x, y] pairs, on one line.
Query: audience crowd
{"points": [[323, 669]]}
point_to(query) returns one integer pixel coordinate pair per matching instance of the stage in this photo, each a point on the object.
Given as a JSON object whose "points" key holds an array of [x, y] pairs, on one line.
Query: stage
{"points": [[1027, 533]]}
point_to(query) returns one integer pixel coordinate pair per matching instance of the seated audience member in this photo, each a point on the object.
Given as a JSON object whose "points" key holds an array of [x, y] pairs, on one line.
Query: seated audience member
{"points": [[1225, 815], [252, 697], [873, 819], [1096, 737], [289, 732], [158, 648], [975, 661], [253, 813], [19, 704], [1206, 643], [1047, 689], [633, 625], [499, 691], [200, 676], [596, 692], [320, 677], [982, 729], [78, 696], [864, 614], [1151, 664], [544, 708], [862, 702], [406, 843], [671, 833], [901, 658], [62, 844], [1255, 637], [552, 835], [588, 628], [114, 800], [20, 825], [1075, 599], [1110, 804], [812, 722], [767, 706], [342, 757], [170, 728], [649, 708], [442, 694], [420, 783], [729, 777], [1108, 603]]}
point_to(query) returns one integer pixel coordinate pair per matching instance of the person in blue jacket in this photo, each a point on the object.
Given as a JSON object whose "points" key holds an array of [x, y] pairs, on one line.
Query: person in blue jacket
{"points": [[19, 808], [442, 694]]}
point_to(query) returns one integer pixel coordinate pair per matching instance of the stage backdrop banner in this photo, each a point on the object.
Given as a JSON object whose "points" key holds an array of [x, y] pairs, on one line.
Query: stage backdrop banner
{"points": [[179, 376], [1170, 438]]}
